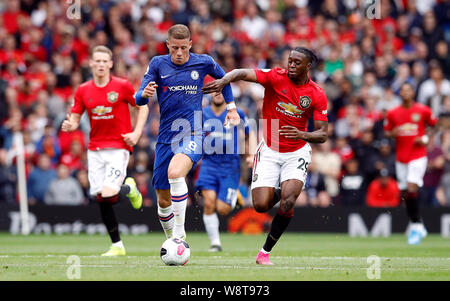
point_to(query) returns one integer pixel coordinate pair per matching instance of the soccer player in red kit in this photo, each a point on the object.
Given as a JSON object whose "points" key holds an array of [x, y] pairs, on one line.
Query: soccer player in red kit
{"points": [[283, 156], [106, 100], [407, 124]]}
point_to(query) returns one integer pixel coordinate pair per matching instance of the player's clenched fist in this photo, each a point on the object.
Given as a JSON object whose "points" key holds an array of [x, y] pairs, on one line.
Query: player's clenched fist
{"points": [[232, 118], [149, 91], [131, 138]]}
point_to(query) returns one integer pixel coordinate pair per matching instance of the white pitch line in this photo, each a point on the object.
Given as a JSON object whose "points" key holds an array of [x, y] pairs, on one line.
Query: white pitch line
{"points": [[108, 265], [365, 258], [234, 257], [230, 267]]}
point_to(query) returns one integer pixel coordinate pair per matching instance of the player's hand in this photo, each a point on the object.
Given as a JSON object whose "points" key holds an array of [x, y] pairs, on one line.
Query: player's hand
{"points": [[67, 125], [214, 86], [232, 118], [149, 91], [291, 132], [131, 139], [394, 132], [421, 141], [418, 141]]}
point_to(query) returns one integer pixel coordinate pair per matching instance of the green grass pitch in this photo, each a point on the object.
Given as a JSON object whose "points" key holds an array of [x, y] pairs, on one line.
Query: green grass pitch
{"points": [[297, 256]]}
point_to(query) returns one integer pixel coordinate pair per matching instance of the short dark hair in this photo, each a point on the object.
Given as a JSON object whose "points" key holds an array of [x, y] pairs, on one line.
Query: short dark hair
{"points": [[179, 32], [308, 53], [408, 83]]}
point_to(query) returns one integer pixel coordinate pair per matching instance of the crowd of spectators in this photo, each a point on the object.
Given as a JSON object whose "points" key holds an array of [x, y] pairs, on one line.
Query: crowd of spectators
{"points": [[367, 49]]}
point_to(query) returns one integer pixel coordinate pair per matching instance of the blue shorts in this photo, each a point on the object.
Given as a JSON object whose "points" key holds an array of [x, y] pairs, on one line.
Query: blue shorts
{"points": [[191, 146], [224, 180]]}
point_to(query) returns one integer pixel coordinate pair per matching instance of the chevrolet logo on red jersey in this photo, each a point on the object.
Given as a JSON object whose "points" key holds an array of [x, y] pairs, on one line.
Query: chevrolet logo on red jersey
{"points": [[288, 107], [112, 97], [101, 110]]}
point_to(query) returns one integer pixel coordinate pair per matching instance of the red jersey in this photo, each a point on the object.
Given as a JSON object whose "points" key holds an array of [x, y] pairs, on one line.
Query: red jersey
{"points": [[108, 112], [383, 196], [411, 123], [289, 104]]}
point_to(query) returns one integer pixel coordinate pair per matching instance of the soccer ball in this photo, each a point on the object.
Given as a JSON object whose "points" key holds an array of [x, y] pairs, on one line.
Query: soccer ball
{"points": [[175, 251]]}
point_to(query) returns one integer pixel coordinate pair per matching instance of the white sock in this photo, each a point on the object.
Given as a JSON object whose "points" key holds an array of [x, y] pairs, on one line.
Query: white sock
{"points": [[179, 195], [165, 216], [211, 222], [264, 251], [118, 244]]}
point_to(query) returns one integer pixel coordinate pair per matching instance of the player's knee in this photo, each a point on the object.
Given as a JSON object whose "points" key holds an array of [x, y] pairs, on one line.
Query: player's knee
{"points": [[179, 166], [208, 207], [223, 210], [260, 206], [173, 173], [288, 203], [412, 188], [108, 192]]}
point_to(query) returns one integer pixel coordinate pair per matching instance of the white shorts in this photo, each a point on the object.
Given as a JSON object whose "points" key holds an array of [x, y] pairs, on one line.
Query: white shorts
{"points": [[107, 167], [411, 172], [271, 168]]}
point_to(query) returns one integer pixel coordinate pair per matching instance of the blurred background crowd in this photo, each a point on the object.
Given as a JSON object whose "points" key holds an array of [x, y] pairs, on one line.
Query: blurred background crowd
{"points": [[367, 49]]}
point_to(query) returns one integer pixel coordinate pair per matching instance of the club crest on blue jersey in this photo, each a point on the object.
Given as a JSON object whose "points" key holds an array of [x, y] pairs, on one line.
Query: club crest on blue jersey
{"points": [[194, 75]]}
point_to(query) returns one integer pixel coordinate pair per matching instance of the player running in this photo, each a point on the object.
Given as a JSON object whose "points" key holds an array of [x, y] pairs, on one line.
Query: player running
{"points": [[407, 124], [220, 172], [283, 156], [105, 98], [177, 79]]}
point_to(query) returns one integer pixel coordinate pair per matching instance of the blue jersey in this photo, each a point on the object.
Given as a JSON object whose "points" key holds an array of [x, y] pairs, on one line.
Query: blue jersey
{"points": [[221, 145], [179, 93]]}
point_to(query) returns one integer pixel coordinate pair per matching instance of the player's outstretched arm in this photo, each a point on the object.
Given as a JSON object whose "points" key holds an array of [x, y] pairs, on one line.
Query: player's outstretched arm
{"points": [[232, 76], [133, 137], [319, 135], [71, 123]]}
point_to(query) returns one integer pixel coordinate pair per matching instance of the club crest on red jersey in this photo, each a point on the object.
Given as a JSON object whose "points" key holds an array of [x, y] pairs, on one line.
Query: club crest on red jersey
{"points": [[415, 117], [304, 102], [255, 177], [112, 97]]}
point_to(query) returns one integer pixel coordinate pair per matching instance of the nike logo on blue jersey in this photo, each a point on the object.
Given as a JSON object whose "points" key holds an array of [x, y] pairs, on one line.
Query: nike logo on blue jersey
{"points": [[164, 76]]}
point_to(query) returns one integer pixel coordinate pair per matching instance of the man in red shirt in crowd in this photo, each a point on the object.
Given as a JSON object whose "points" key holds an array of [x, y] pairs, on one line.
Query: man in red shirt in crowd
{"points": [[283, 156], [383, 191], [407, 124], [106, 99]]}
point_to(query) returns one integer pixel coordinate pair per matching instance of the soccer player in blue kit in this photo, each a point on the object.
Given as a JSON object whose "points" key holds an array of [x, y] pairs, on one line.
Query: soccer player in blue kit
{"points": [[177, 79], [220, 171]]}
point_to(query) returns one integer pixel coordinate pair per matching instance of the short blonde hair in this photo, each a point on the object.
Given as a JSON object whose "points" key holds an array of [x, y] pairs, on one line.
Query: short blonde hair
{"points": [[179, 32], [103, 49]]}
